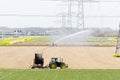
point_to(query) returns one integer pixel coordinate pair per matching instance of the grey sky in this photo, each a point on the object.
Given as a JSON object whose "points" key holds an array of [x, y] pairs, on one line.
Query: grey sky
{"points": [[37, 7]]}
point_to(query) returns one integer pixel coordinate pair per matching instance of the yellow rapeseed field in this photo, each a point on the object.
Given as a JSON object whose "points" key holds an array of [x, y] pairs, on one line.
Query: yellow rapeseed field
{"points": [[11, 40]]}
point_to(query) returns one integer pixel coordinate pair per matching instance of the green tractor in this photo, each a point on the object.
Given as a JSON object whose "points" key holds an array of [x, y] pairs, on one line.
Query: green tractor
{"points": [[54, 63]]}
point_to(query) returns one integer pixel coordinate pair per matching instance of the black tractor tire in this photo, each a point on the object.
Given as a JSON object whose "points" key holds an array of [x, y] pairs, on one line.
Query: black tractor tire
{"points": [[33, 67], [53, 66]]}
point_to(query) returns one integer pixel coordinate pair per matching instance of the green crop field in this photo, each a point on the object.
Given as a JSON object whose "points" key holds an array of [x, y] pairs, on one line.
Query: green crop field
{"points": [[89, 39], [41, 39], [11, 40], [13, 74]]}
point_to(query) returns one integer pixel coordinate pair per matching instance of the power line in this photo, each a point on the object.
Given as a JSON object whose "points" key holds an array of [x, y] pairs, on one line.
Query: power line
{"points": [[27, 15], [86, 0]]}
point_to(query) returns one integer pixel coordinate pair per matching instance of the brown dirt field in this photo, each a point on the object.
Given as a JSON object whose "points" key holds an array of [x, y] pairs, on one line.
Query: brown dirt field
{"points": [[76, 57], [100, 44]]}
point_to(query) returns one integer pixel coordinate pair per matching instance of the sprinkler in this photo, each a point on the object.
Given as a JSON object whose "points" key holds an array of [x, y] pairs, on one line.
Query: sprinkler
{"points": [[54, 44]]}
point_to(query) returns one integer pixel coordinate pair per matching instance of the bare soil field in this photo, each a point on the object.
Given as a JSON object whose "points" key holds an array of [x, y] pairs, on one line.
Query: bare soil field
{"points": [[21, 57], [100, 44]]}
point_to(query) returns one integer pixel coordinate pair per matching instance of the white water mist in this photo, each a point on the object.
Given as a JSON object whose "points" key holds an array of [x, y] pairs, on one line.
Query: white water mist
{"points": [[81, 35]]}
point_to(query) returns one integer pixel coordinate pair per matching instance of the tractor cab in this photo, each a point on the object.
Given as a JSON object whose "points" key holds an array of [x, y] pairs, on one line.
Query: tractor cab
{"points": [[54, 59]]}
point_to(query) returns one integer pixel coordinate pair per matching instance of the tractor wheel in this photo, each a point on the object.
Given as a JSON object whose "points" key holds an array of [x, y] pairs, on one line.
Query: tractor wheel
{"points": [[62, 66], [33, 67], [53, 66]]}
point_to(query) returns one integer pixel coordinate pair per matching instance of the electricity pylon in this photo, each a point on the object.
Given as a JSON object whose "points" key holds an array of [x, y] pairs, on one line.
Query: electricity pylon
{"points": [[80, 15]]}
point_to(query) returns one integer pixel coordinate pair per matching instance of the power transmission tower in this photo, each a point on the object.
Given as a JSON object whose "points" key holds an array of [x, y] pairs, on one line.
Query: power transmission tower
{"points": [[80, 15], [63, 17], [63, 21], [117, 51], [69, 17]]}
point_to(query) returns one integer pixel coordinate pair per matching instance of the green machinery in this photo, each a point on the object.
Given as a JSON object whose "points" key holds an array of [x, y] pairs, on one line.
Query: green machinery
{"points": [[38, 62], [54, 63]]}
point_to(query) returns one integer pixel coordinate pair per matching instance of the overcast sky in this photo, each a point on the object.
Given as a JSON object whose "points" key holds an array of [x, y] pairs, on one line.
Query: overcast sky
{"points": [[55, 8]]}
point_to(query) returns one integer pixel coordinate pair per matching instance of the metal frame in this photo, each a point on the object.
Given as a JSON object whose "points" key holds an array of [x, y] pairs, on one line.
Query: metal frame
{"points": [[117, 51]]}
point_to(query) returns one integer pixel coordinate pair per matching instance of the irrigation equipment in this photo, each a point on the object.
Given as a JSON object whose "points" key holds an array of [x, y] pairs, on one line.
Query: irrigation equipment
{"points": [[38, 61], [117, 51]]}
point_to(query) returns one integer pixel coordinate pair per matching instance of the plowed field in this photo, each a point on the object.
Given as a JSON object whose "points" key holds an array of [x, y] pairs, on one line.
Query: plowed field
{"points": [[21, 57]]}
